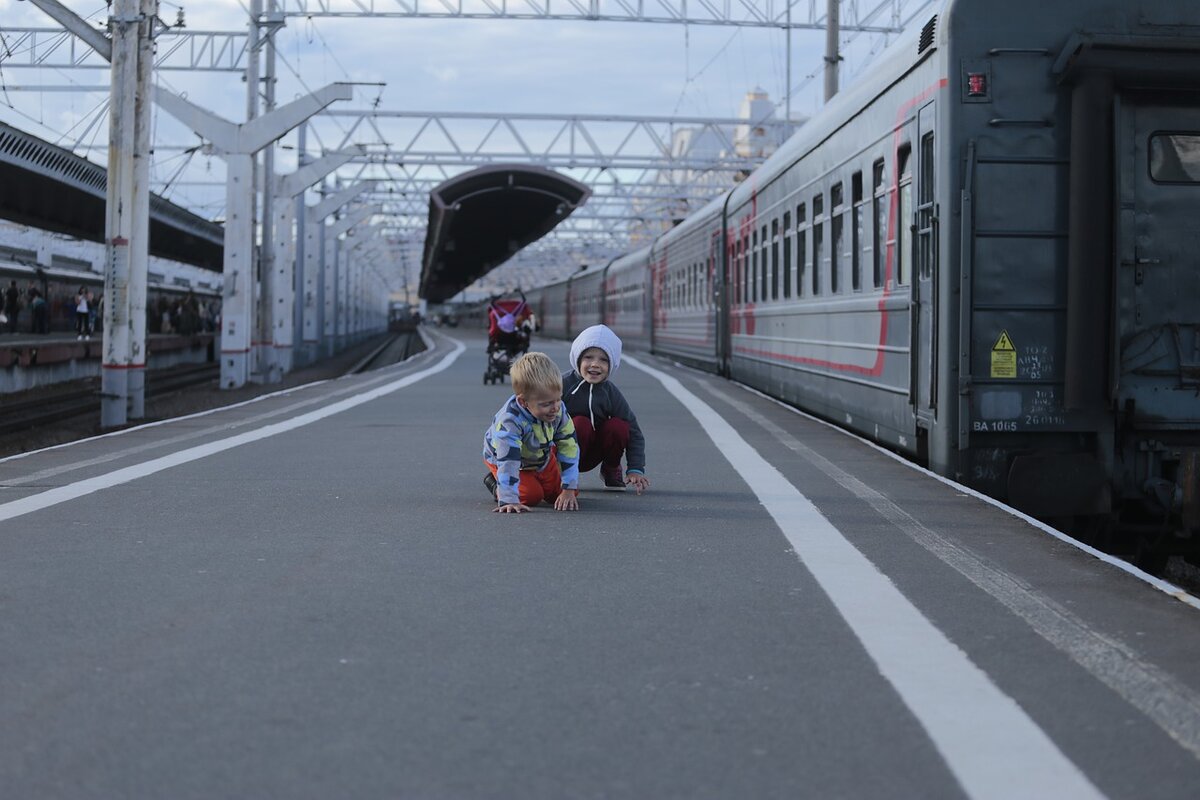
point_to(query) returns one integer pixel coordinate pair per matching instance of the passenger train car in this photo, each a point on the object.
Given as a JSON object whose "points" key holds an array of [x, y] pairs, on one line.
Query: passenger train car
{"points": [[59, 285], [983, 255]]}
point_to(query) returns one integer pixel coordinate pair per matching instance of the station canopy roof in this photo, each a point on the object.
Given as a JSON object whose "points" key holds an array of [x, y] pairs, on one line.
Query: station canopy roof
{"points": [[480, 219], [51, 188]]}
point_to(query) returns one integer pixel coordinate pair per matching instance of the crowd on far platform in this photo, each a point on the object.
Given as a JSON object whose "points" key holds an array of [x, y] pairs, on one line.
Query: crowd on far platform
{"points": [[83, 312]]}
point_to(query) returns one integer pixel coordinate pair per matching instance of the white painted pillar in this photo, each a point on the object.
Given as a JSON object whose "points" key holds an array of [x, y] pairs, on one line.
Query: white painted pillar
{"points": [[344, 266], [237, 290], [318, 291], [279, 283], [119, 213], [238, 144], [139, 265]]}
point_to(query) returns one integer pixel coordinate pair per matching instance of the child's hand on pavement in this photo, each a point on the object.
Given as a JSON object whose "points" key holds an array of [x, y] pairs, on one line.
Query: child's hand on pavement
{"points": [[638, 481], [511, 508], [567, 501]]}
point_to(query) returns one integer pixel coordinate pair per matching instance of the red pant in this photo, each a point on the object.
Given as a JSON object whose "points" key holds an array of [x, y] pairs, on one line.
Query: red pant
{"points": [[537, 486], [603, 445]]}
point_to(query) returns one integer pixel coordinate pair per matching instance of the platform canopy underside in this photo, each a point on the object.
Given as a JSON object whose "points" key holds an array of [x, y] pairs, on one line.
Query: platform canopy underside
{"points": [[482, 218]]}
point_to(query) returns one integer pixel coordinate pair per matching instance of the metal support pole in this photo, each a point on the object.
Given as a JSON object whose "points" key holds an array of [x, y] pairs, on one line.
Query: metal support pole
{"points": [[268, 368], [787, 81], [253, 78], [832, 54], [324, 269], [317, 290], [330, 267], [237, 290], [299, 305], [118, 225], [286, 189], [139, 266]]}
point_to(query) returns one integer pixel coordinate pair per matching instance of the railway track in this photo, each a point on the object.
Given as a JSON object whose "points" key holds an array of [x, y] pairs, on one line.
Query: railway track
{"points": [[56, 407], [396, 348]]}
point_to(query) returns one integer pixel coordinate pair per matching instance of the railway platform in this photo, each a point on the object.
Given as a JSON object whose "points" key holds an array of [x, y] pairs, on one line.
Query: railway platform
{"points": [[30, 360], [307, 595]]}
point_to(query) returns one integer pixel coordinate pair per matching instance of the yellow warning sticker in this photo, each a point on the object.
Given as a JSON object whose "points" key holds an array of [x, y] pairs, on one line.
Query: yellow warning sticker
{"points": [[1004, 357]]}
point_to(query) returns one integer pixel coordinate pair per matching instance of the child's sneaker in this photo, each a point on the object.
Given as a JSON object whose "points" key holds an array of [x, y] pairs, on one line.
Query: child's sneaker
{"points": [[613, 479], [489, 481]]}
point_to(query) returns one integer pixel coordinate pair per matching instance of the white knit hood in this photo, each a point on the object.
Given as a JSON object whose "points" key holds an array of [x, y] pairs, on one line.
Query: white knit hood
{"points": [[597, 336]]}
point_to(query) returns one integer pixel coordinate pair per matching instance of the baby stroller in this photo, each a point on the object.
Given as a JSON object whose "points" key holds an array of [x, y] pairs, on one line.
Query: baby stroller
{"points": [[508, 336]]}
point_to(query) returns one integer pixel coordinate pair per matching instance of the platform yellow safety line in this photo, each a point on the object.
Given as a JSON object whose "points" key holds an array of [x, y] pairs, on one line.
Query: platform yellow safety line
{"points": [[988, 742], [71, 491]]}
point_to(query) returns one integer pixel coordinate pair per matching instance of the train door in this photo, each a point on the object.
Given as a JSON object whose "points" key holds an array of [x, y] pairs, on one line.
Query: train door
{"points": [[1157, 282], [718, 306], [924, 279]]}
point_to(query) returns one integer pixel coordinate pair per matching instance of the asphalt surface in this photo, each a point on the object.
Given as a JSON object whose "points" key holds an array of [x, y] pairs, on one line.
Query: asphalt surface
{"points": [[329, 609]]}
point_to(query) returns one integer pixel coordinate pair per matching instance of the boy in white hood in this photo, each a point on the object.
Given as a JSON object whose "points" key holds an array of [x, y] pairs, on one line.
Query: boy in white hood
{"points": [[604, 423]]}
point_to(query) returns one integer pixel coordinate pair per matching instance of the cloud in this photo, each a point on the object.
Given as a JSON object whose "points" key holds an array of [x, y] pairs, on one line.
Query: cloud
{"points": [[441, 74]]}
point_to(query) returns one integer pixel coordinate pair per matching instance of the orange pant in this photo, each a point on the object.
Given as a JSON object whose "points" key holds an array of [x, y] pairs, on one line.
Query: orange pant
{"points": [[537, 486]]}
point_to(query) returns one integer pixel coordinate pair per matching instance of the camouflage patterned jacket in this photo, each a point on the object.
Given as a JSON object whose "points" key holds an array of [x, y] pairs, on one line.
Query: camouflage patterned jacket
{"points": [[517, 440]]}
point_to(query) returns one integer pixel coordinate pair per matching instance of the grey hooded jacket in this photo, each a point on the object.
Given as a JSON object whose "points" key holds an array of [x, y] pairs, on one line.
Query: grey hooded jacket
{"points": [[599, 402]]}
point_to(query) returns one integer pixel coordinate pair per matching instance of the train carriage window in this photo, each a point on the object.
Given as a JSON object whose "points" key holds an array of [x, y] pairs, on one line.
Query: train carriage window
{"points": [[1175, 157], [735, 295], [818, 246], [774, 259], [857, 248], [904, 215], [745, 268], [705, 293], [836, 236], [762, 265], [925, 218], [753, 265], [879, 223], [801, 248], [787, 254]]}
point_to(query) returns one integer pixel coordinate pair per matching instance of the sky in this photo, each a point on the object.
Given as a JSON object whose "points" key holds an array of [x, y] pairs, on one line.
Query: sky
{"points": [[446, 65]]}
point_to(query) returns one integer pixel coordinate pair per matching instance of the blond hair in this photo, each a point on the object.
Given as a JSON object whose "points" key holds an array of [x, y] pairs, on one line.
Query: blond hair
{"points": [[534, 372]]}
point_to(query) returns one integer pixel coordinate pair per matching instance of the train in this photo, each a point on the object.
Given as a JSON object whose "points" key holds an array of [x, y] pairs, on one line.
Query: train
{"points": [[59, 285], [983, 255]]}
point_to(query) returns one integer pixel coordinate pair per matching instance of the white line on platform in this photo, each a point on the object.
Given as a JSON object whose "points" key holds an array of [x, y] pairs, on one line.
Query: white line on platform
{"points": [[1171, 705], [989, 743], [1158, 583], [71, 491], [347, 387]]}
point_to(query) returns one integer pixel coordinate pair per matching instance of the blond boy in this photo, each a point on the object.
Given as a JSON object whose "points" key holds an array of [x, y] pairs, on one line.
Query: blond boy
{"points": [[530, 449]]}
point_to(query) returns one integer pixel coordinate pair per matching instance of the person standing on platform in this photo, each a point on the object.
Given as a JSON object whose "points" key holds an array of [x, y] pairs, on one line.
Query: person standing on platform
{"points": [[39, 311], [12, 305], [81, 314], [92, 308], [530, 449], [605, 425]]}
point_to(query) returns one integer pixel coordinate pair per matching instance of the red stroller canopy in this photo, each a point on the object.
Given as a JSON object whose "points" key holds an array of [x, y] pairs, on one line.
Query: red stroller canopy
{"points": [[505, 315]]}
